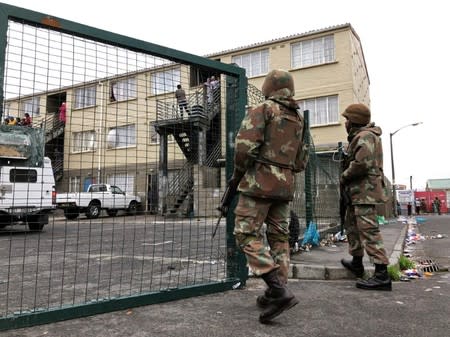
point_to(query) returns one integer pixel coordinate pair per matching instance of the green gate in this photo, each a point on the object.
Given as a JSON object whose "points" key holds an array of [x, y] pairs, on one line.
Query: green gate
{"points": [[111, 123]]}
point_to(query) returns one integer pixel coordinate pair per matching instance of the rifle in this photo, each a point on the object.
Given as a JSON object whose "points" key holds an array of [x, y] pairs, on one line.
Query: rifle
{"points": [[226, 200], [344, 200]]}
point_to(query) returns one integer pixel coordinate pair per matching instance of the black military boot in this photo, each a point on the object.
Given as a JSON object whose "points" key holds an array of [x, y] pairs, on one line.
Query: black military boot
{"points": [[355, 265], [379, 281], [264, 300], [281, 298]]}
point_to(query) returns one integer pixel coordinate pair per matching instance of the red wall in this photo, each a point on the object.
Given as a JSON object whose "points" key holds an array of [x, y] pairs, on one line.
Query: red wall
{"points": [[429, 197]]}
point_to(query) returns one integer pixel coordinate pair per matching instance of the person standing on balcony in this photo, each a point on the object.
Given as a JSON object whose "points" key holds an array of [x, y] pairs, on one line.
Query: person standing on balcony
{"points": [[268, 154], [180, 95], [363, 180], [215, 86], [208, 90], [26, 121], [62, 112]]}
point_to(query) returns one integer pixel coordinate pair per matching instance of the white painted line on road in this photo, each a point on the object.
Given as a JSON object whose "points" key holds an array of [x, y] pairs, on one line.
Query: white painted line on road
{"points": [[157, 244]]}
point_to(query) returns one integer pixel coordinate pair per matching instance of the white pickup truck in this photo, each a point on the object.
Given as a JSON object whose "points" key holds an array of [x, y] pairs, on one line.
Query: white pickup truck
{"points": [[95, 199]]}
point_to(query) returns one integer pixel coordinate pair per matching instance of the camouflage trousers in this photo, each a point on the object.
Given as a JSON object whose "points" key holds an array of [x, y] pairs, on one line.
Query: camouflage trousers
{"points": [[251, 213], [363, 233]]}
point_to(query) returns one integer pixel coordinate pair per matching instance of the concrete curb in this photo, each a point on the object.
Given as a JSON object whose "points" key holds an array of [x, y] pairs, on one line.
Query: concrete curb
{"points": [[338, 272]]}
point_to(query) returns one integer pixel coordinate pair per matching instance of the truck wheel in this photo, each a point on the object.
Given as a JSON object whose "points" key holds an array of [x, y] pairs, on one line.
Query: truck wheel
{"points": [[35, 226], [112, 212], [37, 222], [71, 213], [132, 208], [93, 211]]}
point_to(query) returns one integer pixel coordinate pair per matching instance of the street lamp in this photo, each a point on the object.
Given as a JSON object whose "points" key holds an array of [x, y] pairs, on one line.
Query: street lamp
{"points": [[394, 194]]}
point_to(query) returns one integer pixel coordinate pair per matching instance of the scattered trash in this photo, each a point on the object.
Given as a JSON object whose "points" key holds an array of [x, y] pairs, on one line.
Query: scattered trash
{"points": [[237, 285], [428, 289], [399, 302], [411, 273], [420, 219], [340, 237], [311, 236], [381, 220]]}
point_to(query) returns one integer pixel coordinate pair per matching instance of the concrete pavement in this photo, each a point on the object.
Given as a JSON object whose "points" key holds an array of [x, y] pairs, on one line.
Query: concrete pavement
{"points": [[323, 263], [327, 308]]}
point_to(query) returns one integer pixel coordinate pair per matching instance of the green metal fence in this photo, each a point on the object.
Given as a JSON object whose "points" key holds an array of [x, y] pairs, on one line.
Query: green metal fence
{"points": [[155, 168], [142, 234]]}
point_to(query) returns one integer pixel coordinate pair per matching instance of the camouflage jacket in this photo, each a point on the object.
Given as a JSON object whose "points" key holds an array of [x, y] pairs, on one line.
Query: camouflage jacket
{"points": [[268, 149], [363, 173]]}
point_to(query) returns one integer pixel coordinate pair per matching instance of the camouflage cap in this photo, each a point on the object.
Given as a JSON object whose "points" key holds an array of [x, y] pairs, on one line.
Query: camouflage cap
{"points": [[278, 82], [357, 113]]}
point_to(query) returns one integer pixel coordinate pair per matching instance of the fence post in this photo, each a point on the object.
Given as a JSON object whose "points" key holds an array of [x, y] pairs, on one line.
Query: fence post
{"points": [[308, 174]]}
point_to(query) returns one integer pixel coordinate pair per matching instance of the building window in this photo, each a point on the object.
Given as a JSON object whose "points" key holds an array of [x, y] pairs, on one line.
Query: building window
{"points": [[122, 180], [255, 63], [31, 106], [74, 184], [312, 52], [165, 81], [322, 110], [122, 136], [83, 141], [123, 90], [85, 97]]}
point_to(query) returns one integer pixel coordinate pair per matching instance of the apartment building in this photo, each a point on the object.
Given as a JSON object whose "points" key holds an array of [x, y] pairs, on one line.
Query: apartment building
{"points": [[122, 123]]}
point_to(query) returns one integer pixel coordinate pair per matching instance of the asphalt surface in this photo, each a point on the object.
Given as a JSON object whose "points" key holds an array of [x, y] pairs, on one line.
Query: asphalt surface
{"points": [[330, 305]]}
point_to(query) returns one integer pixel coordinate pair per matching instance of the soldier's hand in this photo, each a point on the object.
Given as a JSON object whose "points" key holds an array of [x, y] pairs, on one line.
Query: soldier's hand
{"points": [[233, 182]]}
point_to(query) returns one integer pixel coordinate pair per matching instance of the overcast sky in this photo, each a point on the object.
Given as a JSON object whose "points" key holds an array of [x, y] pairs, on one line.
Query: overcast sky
{"points": [[404, 43]]}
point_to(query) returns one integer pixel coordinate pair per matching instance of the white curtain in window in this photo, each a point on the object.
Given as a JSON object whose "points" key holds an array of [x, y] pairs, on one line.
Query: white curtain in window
{"points": [[255, 63], [123, 90], [328, 48], [310, 52], [122, 136], [31, 106], [322, 110], [165, 81], [122, 180], [85, 97], [83, 141], [74, 184]]}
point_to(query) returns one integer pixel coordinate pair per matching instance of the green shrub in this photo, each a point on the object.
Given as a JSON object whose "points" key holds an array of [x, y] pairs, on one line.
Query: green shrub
{"points": [[394, 272], [405, 263]]}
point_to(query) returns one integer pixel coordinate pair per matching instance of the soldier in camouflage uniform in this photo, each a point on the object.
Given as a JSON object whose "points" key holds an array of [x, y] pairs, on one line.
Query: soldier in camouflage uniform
{"points": [[363, 180], [268, 153]]}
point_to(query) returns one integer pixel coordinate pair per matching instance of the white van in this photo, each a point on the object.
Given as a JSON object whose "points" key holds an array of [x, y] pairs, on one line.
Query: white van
{"points": [[27, 195]]}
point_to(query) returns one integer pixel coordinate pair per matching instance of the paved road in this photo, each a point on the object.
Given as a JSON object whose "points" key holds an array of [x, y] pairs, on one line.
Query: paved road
{"points": [[327, 308], [419, 308], [436, 230]]}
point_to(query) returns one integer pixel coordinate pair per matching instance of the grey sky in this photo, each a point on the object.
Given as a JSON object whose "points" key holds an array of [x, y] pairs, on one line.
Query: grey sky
{"points": [[404, 44]]}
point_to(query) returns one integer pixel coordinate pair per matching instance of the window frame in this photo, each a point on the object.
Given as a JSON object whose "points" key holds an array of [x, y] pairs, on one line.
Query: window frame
{"points": [[82, 97], [251, 61], [118, 137], [330, 116], [78, 146], [165, 81], [31, 106], [312, 52], [123, 90]]}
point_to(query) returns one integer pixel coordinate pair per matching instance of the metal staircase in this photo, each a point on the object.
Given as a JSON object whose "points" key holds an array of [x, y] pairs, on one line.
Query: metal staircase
{"points": [[54, 143]]}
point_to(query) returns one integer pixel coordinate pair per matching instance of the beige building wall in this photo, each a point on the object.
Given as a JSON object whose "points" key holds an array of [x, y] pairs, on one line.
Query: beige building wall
{"points": [[346, 76]]}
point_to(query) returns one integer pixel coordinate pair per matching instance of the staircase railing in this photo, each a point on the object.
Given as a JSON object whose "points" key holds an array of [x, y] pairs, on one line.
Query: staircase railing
{"points": [[179, 187]]}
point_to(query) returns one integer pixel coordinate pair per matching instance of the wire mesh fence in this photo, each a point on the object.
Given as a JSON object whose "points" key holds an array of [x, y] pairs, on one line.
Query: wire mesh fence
{"points": [[135, 148], [135, 138]]}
